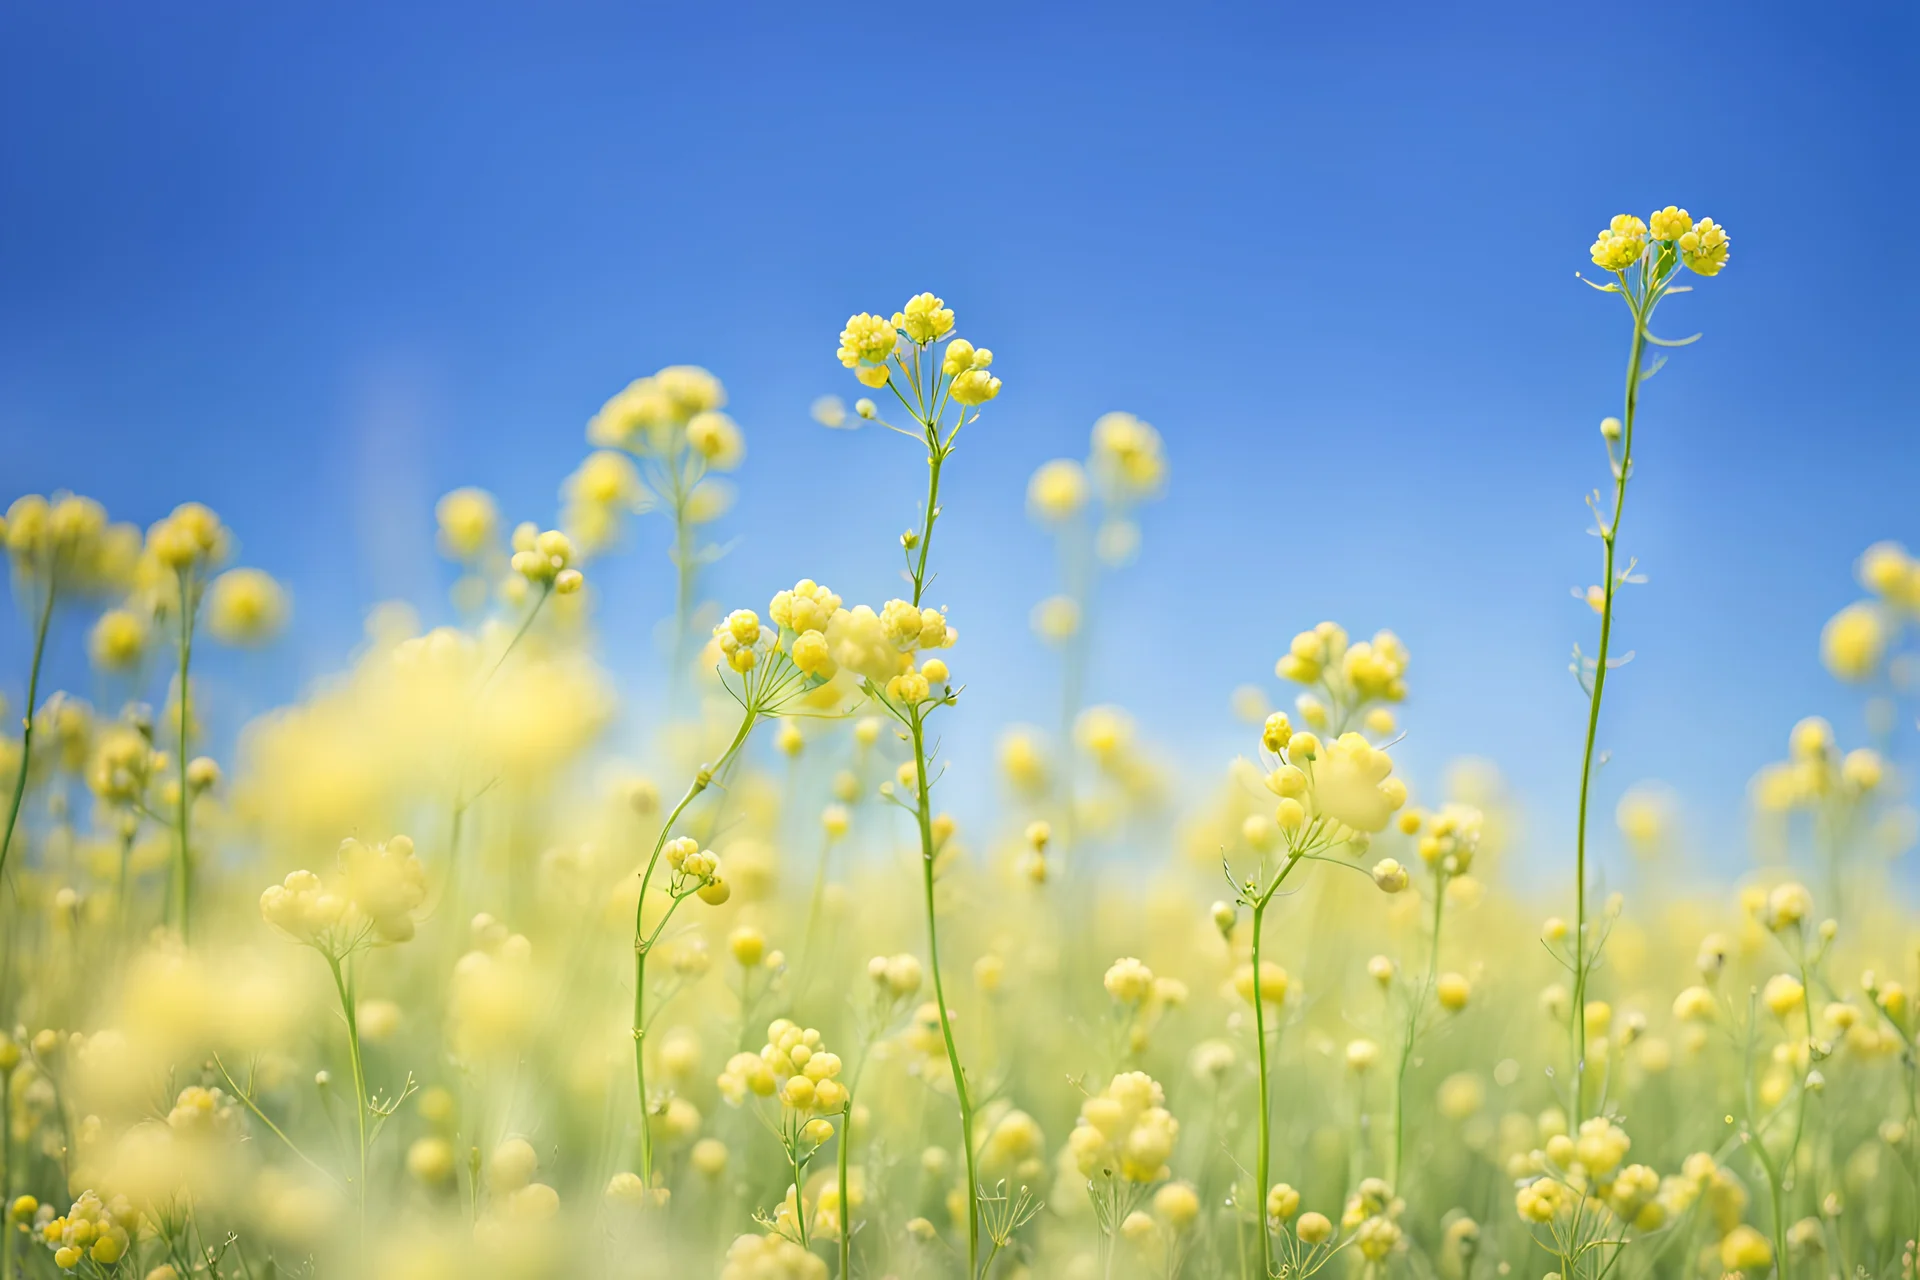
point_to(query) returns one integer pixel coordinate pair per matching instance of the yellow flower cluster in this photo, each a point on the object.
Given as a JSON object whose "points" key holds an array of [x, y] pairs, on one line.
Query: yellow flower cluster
{"points": [[90, 1231], [67, 539], [742, 641], [652, 415], [379, 888], [792, 1064], [868, 343], [1125, 1131], [1127, 459], [544, 559], [1816, 772], [245, 607], [771, 1257], [1346, 782], [1702, 246]]}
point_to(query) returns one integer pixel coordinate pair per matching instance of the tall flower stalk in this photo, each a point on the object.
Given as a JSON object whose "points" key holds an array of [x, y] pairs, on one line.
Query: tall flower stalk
{"points": [[1644, 258], [26, 724], [187, 545], [1332, 795], [937, 391], [56, 547], [761, 674]]}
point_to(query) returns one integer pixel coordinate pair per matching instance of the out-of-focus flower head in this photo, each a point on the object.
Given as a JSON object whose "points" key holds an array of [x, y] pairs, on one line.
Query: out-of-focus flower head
{"points": [[246, 607], [1127, 461]]}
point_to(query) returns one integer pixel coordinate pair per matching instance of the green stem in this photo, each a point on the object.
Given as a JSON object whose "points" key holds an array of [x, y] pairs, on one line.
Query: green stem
{"points": [[936, 456], [1263, 1153], [1263, 1157], [1609, 535], [183, 806], [344, 984], [1413, 1025], [6, 1180], [643, 945], [925, 816], [26, 730], [846, 1204]]}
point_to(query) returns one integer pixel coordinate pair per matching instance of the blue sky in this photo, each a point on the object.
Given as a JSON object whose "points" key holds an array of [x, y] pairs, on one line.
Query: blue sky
{"points": [[316, 265]]}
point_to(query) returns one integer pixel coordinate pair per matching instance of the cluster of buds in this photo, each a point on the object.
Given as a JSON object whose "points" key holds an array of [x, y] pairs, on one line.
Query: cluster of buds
{"points": [[68, 538], [543, 559], [1313, 1229], [895, 978], [771, 1257], [92, 1230], [1588, 1168], [651, 416], [1446, 840], [1701, 246], [1346, 783], [189, 538], [373, 899], [1125, 1131], [742, 640], [1352, 678], [1370, 1215], [695, 871], [1142, 997], [870, 347]]}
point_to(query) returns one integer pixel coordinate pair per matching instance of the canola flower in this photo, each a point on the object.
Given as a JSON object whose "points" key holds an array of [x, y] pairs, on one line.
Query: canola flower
{"points": [[1645, 260], [562, 1034]]}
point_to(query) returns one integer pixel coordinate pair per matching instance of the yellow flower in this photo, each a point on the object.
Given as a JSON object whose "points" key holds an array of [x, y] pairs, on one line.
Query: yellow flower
{"points": [[1745, 1249], [1620, 244], [1669, 223], [1704, 248], [867, 340], [1852, 642], [1783, 995], [1351, 784], [1057, 491], [118, 641], [975, 387], [717, 440], [1125, 1131], [924, 319], [246, 607], [1127, 457], [468, 520]]}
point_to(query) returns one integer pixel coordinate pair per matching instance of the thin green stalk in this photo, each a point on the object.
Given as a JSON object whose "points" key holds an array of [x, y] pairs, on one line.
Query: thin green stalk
{"points": [[1413, 1024], [6, 1180], [643, 944], [925, 815], [183, 806], [1609, 536], [344, 984], [846, 1204], [1263, 1157], [26, 731], [936, 456]]}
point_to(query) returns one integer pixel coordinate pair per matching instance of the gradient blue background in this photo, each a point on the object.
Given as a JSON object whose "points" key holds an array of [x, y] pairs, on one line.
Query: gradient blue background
{"points": [[315, 265]]}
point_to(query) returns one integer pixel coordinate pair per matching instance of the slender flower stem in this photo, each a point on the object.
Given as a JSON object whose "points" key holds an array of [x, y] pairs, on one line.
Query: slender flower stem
{"points": [[1263, 1156], [846, 1204], [344, 984], [183, 805], [925, 816], [1609, 536], [936, 456], [1413, 1026], [643, 943], [26, 729]]}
